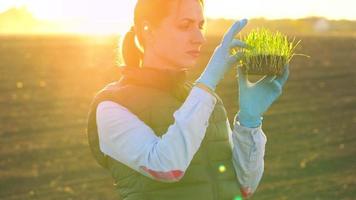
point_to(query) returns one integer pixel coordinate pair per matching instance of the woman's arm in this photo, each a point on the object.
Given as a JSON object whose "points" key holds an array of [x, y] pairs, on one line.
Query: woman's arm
{"points": [[124, 137], [248, 150]]}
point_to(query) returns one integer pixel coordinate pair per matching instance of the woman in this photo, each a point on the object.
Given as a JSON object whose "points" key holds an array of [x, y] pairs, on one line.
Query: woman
{"points": [[163, 137]]}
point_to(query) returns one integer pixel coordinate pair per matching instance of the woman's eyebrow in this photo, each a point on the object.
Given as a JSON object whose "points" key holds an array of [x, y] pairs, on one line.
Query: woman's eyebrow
{"points": [[192, 20]]}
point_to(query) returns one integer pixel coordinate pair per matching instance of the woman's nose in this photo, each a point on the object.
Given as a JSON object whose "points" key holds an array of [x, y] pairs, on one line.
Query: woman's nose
{"points": [[199, 37]]}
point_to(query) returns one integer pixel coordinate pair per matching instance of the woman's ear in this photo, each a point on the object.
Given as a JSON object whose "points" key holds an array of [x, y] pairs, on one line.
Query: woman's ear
{"points": [[147, 33]]}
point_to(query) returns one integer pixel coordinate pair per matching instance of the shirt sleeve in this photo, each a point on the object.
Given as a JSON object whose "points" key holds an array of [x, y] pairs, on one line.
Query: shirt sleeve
{"points": [[248, 149], [124, 137]]}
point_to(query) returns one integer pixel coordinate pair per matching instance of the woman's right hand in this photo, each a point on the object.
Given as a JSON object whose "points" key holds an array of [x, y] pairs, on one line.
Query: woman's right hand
{"points": [[221, 60]]}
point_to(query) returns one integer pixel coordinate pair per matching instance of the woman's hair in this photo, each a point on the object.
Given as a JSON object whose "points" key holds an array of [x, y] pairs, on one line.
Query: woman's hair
{"points": [[132, 45]]}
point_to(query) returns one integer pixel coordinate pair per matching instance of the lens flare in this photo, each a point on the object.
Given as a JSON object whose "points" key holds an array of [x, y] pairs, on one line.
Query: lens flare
{"points": [[222, 168], [238, 198]]}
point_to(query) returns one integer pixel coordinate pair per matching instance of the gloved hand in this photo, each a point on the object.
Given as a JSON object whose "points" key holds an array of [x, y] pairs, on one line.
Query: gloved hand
{"points": [[221, 61], [256, 98]]}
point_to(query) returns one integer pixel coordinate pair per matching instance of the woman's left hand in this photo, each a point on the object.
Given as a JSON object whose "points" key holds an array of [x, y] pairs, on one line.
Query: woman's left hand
{"points": [[221, 60], [256, 98]]}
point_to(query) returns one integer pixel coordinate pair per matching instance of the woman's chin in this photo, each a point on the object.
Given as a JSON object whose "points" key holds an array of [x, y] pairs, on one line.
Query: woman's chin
{"points": [[190, 63], [186, 63]]}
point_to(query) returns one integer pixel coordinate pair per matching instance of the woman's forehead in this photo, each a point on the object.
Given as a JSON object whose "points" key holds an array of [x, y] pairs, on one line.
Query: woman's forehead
{"points": [[191, 10]]}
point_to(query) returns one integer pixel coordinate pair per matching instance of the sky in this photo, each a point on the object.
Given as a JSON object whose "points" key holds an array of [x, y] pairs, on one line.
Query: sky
{"points": [[107, 12], [272, 9]]}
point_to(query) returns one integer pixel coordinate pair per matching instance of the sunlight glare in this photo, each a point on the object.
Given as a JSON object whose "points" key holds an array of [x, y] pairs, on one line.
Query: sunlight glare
{"points": [[116, 16]]}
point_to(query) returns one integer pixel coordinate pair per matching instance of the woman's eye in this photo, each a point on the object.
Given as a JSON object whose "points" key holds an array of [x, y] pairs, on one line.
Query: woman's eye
{"points": [[184, 27], [187, 26]]}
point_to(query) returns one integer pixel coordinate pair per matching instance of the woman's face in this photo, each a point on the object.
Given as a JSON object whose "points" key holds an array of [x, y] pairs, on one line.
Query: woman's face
{"points": [[176, 42]]}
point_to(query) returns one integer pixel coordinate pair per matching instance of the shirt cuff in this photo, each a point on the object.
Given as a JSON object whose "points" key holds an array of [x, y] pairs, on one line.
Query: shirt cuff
{"points": [[244, 129]]}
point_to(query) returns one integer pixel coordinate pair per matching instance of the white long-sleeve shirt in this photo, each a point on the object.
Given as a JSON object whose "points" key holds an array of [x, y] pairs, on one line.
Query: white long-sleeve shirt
{"points": [[124, 137]]}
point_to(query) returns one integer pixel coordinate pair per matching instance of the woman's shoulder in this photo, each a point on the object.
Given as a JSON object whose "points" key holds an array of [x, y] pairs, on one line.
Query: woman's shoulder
{"points": [[131, 93]]}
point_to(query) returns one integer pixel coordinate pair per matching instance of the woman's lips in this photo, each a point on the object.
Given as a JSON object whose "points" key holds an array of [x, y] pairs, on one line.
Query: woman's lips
{"points": [[194, 54]]}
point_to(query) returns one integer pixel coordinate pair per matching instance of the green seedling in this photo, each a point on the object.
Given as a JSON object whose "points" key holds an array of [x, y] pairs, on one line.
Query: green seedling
{"points": [[267, 53]]}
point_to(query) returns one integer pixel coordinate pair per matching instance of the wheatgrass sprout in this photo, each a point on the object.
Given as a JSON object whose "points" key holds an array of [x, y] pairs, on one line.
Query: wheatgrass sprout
{"points": [[267, 53]]}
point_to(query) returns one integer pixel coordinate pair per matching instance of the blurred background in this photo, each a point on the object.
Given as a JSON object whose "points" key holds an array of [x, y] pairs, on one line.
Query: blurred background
{"points": [[55, 55]]}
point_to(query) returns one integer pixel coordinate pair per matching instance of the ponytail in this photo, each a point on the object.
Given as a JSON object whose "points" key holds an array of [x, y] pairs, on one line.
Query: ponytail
{"points": [[130, 53]]}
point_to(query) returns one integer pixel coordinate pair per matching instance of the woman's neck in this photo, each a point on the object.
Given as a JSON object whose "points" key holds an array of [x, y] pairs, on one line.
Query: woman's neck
{"points": [[152, 60]]}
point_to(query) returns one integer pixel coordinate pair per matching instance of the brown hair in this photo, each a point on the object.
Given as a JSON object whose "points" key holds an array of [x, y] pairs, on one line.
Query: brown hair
{"points": [[154, 11]]}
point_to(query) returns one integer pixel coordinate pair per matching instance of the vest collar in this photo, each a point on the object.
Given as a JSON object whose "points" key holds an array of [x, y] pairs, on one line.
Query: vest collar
{"points": [[165, 79]]}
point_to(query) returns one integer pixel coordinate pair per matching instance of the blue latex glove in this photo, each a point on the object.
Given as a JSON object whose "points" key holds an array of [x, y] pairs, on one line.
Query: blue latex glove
{"points": [[222, 60], [256, 98]]}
